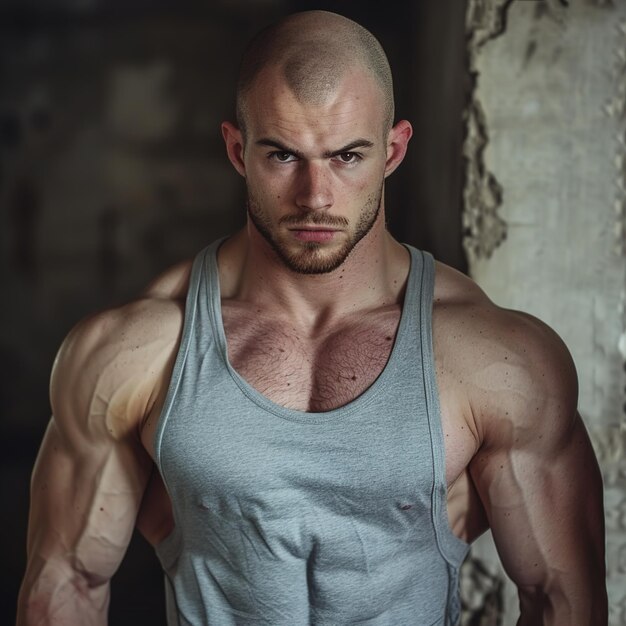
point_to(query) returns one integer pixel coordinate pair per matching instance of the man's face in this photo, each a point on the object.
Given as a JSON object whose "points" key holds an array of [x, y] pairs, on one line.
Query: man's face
{"points": [[315, 173]]}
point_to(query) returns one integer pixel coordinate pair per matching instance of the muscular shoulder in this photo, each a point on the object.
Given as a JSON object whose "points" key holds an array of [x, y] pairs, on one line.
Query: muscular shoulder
{"points": [[112, 365], [514, 371], [171, 284]]}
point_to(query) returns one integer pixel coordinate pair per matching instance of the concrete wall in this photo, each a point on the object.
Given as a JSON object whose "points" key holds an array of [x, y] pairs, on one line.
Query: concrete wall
{"points": [[545, 208]]}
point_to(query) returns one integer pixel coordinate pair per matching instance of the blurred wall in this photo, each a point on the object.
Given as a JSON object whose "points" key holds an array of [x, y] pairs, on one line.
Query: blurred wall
{"points": [[112, 168]]}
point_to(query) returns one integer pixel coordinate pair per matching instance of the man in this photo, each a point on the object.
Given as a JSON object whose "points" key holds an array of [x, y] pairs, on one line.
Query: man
{"points": [[333, 417]]}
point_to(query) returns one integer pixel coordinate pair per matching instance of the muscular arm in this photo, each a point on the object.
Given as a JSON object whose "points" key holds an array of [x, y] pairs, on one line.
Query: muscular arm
{"points": [[538, 477], [91, 470]]}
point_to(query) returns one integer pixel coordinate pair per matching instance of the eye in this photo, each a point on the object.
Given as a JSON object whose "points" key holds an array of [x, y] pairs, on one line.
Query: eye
{"points": [[349, 157], [282, 156]]}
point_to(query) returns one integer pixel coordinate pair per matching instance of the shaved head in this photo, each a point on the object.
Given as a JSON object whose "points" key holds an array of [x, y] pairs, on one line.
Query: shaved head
{"points": [[312, 51]]}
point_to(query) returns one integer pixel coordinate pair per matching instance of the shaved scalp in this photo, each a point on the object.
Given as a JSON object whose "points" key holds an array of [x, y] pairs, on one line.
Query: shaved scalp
{"points": [[313, 50]]}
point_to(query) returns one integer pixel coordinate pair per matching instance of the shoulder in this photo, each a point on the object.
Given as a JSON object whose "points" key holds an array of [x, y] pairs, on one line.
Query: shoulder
{"points": [[111, 366], [513, 369], [172, 284]]}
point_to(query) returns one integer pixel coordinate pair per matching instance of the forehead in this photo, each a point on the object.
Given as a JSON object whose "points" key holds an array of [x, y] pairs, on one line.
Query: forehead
{"points": [[352, 106]]}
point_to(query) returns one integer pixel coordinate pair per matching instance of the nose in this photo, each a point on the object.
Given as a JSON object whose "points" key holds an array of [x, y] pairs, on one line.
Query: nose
{"points": [[314, 189]]}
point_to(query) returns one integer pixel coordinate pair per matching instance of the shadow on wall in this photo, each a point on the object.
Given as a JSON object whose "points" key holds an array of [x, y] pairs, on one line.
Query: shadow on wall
{"points": [[112, 168]]}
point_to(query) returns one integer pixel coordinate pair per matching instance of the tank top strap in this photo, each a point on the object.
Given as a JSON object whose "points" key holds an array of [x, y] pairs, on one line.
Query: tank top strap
{"points": [[195, 309], [452, 548]]}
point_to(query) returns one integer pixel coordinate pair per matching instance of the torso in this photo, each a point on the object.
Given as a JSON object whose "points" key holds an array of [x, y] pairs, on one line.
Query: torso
{"points": [[327, 370]]}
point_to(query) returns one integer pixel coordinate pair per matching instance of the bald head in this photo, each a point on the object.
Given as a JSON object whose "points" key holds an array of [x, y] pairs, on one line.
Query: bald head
{"points": [[312, 51]]}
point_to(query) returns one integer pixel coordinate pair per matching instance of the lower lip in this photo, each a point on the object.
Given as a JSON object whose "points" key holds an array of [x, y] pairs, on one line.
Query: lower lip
{"points": [[318, 236]]}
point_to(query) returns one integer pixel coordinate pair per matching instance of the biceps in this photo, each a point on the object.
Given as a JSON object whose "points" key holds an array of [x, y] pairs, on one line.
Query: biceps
{"points": [[84, 499]]}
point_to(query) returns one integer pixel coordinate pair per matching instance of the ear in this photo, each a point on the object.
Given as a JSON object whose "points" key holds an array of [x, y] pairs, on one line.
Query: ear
{"points": [[397, 143], [233, 139]]}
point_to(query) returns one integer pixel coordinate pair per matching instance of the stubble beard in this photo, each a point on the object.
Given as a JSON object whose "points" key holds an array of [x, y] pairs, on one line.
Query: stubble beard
{"points": [[312, 258]]}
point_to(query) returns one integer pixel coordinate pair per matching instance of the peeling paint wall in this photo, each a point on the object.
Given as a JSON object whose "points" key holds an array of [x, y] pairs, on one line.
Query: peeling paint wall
{"points": [[547, 132]]}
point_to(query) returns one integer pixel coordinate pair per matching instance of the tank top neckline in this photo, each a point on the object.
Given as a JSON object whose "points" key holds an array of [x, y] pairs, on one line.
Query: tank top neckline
{"points": [[401, 345]]}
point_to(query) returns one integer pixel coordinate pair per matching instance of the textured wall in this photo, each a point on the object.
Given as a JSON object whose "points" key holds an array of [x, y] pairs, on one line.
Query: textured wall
{"points": [[544, 212]]}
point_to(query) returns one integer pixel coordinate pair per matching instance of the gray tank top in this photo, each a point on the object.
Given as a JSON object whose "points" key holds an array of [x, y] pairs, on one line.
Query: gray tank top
{"points": [[290, 518]]}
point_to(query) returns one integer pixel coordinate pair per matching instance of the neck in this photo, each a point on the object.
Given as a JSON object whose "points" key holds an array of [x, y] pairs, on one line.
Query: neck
{"points": [[372, 276]]}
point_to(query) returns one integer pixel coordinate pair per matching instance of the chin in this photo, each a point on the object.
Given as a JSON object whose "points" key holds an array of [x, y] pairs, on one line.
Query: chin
{"points": [[314, 259]]}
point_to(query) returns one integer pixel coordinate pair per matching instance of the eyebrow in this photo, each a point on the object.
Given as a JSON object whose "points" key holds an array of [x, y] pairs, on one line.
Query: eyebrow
{"points": [[357, 143]]}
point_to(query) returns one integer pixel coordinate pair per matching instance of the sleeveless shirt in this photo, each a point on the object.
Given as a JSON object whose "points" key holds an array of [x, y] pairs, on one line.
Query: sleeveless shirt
{"points": [[291, 518]]}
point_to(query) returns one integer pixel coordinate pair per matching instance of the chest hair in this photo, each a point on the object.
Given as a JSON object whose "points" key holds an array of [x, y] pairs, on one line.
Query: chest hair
{"points": [[315, 372]]}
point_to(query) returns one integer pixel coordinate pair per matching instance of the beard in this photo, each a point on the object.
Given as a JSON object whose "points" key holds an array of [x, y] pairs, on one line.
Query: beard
{"points": [[311, 257]]}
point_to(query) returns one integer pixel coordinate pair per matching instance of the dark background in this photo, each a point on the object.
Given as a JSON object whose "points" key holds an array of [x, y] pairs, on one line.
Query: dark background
{"points": [[112, 168]]}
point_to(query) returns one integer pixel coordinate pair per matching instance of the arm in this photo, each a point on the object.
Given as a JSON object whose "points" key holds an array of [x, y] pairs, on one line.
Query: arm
{"points": [[90, 473], [538, 478]]}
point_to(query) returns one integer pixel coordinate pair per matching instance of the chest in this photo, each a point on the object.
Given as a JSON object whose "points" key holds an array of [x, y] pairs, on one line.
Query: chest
{"points": [[313, 371]]}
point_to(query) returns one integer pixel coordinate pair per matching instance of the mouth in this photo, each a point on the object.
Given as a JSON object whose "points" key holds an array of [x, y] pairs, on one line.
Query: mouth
{"points": [[317, 234]]}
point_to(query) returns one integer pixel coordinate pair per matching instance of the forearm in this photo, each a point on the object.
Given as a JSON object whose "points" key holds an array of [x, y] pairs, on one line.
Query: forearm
{"points": [[57, 595]]}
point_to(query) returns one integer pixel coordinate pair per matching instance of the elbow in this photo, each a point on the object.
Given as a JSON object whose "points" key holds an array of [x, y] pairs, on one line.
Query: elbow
{"points": [[56, 596], [557, 606]]}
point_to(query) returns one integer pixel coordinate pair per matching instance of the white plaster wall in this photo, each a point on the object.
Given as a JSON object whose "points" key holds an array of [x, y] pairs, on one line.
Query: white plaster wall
{"points": [[552, 87]]}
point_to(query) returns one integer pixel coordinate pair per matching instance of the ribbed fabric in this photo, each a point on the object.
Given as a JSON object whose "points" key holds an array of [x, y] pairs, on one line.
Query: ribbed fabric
{"points": [[291, 518]]}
